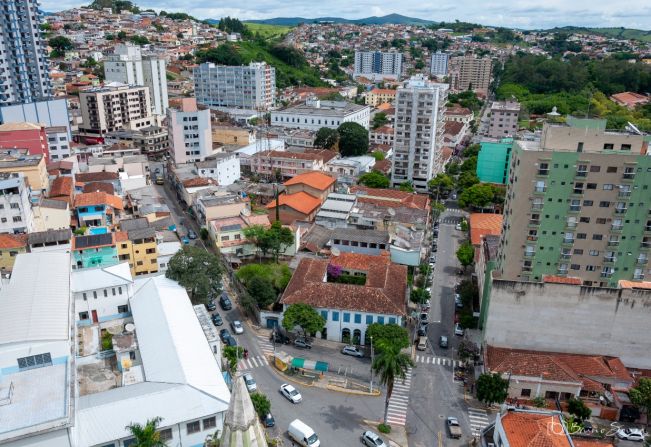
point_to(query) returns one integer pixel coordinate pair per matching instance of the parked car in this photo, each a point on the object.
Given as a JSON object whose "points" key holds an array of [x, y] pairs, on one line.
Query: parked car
{"points": [[225, 302], [250, 382], [290, 393], [185, 240], [422, 330], [458, 330], [434, 248], [192, 235], [457, 301], [352, 350], [269, 420], [631, 434], [160, 180], [279, 337], [432, 259], [211, 306], [371, 439], [302, 343], [230, 341], [424, 316], [217, 320], [443, 342], [224, 334], [237, 327]]}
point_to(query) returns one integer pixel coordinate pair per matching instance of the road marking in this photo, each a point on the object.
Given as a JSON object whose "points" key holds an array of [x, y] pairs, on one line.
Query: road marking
{"points": [[478, 420], [399, 401]]}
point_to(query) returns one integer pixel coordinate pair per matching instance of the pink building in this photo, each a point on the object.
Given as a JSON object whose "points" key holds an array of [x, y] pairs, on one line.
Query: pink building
{"points": [[25, 136]]}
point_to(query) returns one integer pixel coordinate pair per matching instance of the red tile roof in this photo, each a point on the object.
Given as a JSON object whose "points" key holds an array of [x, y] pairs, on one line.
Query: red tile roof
{"points": [[8, 241], [108, 188], [453, 127], [198, 181], [458, 111], [84, 177], [382, 166], [383, 91], [316, 180], [384, 292], [300, 201], [61, 186], [391, 196], [525, 429], [482, 224], [562, 280], [98, 198], [624, 284], [630, 99]]}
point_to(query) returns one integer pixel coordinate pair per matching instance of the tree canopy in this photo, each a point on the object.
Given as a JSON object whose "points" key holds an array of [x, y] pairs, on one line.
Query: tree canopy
{"points": [[353, 139], [326, 138], [262, 291], [390, 364], [441, 184], [379, 120], [388, 333], [225, 54], [273, 240], [466, 254], [303, 316], [480, 195], [197, 270], [261, 404], [641, 395], [406, 186], [374, 179], [60, 44], [492, 388], [146, 435]]}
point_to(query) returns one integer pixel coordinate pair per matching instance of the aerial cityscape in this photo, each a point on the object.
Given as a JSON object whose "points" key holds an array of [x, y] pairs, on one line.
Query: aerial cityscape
{"points": [[297, 224]]}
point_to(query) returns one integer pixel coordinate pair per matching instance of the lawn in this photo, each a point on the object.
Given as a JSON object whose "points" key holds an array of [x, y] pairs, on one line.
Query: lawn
{"points": [[268, 31]]}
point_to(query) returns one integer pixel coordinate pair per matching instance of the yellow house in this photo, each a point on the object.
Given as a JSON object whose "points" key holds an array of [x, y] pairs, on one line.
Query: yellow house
{"points": [[379, 96], [139, 248], [11, 245], [33, 166]]}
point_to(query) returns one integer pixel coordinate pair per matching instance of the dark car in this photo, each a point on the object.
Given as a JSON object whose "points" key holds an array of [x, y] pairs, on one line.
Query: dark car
{"points": [[224, 334], [278, 337], [217, 320], [230, 341], [211, 306], [192, 235], [269, 420], [422, 331], [225, 302]]}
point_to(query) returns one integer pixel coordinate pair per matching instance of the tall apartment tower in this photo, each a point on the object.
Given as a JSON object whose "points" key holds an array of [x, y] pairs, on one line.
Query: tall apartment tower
{"points": [[418, 132], [376, 65], [189, 132], [128, 66], [250, 86], [23, 60], [470, 73], [504, 119], [439, 64], [578, 204]]}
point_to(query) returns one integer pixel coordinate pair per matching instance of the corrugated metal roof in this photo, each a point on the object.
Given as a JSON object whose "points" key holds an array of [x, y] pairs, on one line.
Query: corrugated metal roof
{"points": [[99, 278]]}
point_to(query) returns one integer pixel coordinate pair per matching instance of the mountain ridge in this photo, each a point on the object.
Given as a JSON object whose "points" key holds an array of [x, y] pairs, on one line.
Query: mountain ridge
{"points": [[397, 19]]}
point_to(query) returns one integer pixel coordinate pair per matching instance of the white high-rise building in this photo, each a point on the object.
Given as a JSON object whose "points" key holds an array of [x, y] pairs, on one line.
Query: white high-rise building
{"points": [[418, 132], [250, 86], [189, 131], [439, 64], [376, 65], [23, 59], [128, 66]]}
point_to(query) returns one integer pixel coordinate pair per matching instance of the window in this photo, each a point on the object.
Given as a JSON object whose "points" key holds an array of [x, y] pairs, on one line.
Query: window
{"points": [[35, 361], [346, 317], [95, 294], [626, 147], [83, 315], [194, 427], [608, 186], [590, 268], [324, 315], [591, 186], [84, 296], [165, 435], [380, 320], [595, 168], [594, 252], [578, 251], [392, 320], [358, 318], [581, 235], [209, 423], [525, 392], [611, 169], [123, 309], [129, 442], [575, 267], [335, 315], [551, 394], [604, 204], [587, 203], [609, 146], [584, 219], [601, 220], [113, 291], [369, 319], [597, 237]]}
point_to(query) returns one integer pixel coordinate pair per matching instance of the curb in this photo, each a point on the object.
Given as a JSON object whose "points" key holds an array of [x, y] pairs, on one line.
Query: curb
{"points": [[374, 424], [358, 393]]}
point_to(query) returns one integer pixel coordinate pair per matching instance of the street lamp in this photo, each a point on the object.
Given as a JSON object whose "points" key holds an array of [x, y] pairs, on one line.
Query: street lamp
{"points": [[371, 364]]}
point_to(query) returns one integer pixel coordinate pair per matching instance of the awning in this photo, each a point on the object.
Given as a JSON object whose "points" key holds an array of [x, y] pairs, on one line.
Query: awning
{"points": [[310, 364], [298, 363]]}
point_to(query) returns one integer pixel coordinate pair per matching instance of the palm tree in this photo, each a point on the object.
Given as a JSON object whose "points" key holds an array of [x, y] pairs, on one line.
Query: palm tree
{"points": [[390, 364], [146, 435]]}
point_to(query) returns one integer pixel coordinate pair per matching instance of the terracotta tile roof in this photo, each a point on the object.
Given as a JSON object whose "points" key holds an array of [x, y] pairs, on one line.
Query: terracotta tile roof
{"points": [[108, 188], [386, 107], [624, 284], [562, 280], [357, 261], [382, 166], [387, 129], [591, 442], [482, 224], [524, 429], [407, 199], [8, 241], [458, 111], [300, 201], [121, 236], [61, 186], [383, 91], [98, 198], [630, 99], [384, 292], [316, 180], [85, 177], [453, 127], [198, 181]]}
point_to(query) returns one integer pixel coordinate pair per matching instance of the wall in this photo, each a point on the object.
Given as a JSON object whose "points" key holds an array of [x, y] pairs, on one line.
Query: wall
{"points": [[575, 319], [8, 257], [95, 257], [36, 176], [104, 301]]}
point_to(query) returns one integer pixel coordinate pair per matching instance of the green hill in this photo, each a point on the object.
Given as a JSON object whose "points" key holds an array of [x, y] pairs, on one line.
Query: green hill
{"points": [[268, 31], [616, 33]]}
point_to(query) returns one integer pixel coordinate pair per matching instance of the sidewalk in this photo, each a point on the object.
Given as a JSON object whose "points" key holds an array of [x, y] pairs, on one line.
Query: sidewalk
{"points": [[397, 437]]}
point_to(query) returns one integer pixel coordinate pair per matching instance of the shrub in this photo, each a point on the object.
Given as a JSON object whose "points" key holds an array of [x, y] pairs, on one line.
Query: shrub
{"points": [[384, 428]]}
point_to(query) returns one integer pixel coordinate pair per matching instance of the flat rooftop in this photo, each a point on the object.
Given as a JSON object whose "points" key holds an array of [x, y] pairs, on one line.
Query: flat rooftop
{"points": [[327, 108]]}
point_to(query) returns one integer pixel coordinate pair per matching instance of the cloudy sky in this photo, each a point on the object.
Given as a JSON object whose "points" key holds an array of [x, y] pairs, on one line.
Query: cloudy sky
{"points": [[521, 14]]}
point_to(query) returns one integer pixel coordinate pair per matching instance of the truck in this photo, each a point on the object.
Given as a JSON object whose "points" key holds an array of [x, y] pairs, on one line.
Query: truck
{"points": [[454, 429]]}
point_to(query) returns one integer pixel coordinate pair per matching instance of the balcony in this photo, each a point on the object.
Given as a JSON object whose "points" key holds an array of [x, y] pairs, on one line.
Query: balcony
{"points": [[537, 206], [566, 255], [647, 229], [617, 227], [610, 259], [562, 271], [571, 224], [581, 173], [568, 240], [620, 210], [613, 243], [624, 194], [575, 208], [606, 274], [532, 238], [529, 254], [540, 189], [543, 171], [534, 222], [645, 245], [638, 276], [641, 261], [628, 176]]}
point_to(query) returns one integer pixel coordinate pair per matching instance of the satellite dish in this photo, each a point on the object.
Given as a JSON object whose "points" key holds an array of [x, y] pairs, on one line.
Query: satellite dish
{"points": [[335, 251], [129, 327], [391, 212]]}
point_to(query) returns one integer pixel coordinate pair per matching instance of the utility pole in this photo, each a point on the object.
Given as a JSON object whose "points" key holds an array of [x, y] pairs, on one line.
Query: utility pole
{"points": [[371, 387]]}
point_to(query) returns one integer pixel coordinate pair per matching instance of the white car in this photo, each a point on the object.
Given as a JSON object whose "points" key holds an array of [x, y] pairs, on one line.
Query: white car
{"points": [[458, 330], [290, 393], [237, 327], [631, 434], [250, 382], [352, 350], [370, 439], [458, 226]]}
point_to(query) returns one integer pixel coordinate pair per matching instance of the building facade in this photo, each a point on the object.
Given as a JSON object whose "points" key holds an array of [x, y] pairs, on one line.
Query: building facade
{"points": [[15, 206], [577, 205], [315, 114], [439, 64], [419, 126], [24, 136], [23, 58], [504, 119], [493, 161], [58, 141], [128, 66], [377, 65], [250, 86], [189, 132], [470, 73], [223, 167], [379, 96]]}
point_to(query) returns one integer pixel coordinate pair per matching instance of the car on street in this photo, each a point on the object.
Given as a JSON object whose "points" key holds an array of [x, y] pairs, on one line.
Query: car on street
{"points": [[224, 334], [454, 429], [157, 171], [432, 259], [225, 302], [352, 351], [454, 196], [278, 337], [250, 382], [631, 434], [422, 330], [302, 343], [290, 393], [269, 420], [237, 327], [457, 301], [192, 235], [211, 306], [160, 180], [217, 320], [458, 227], [436, 224], [230, 341], [434, 248], [371, 439], [458, 330], [443, 342]]}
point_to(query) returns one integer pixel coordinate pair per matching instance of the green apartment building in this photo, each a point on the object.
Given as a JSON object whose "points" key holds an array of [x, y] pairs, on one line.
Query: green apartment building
{"points": [[493, 161], [578, 205]]}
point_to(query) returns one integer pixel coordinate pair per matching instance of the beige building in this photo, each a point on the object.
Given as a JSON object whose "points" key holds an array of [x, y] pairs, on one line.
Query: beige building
{"points": [[51, 214], [114, 107], [504, 119], [577, 205], [470, 73], [379, 96], [232, 135], [289, 164], [32, 166], [222, 205]]}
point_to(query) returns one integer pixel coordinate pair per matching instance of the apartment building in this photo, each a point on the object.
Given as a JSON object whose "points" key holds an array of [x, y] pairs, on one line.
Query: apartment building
{"points": [[504, 119], [315, 114], [136, 244], [24, 136], [128, 66], [189, 132], [418, 137], [439, 64], [470, 73], [23, 59], [224, 168], [288, 164], [32, 166], [578, 205], [250, 86], [379, 96], [58, 141], [15, 207], [114, 107], [376, 65]]}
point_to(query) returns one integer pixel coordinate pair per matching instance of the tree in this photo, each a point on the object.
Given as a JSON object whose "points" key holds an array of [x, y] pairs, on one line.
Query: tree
{"points": [[378, 155], [390, 364], [224, 54], [139, 40], [379, 120], [470, 165], [472, 150], [303, 316], [467, 350], [441, 184], [146, 435], [452, 168], [353, 139], [274, 239], [196, 270], [278, 274], [388, 333], [466, 180], [374, 179], [479, 196], [326, 138], [419, 296], [641, 395], [579, 409], [262, 291], [60, 45], [261, 404], [465, 254], [406, 186], [492, 388], [122, 35], [233, 354]]}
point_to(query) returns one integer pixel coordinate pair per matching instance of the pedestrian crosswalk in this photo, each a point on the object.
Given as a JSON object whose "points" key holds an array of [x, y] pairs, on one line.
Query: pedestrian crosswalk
{"points": [[397, 410], [252, 362], [451, 219], [265, 345], [430, 360], [478, 420]]}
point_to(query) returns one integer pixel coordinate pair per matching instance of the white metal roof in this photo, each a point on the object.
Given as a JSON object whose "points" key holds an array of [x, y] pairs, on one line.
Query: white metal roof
{"points": [[166, 323], [101, 277], [35, 305]]}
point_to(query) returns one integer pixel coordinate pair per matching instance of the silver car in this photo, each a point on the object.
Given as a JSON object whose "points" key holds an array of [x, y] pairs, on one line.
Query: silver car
{"points": [[251, 385], [371, 439]]}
